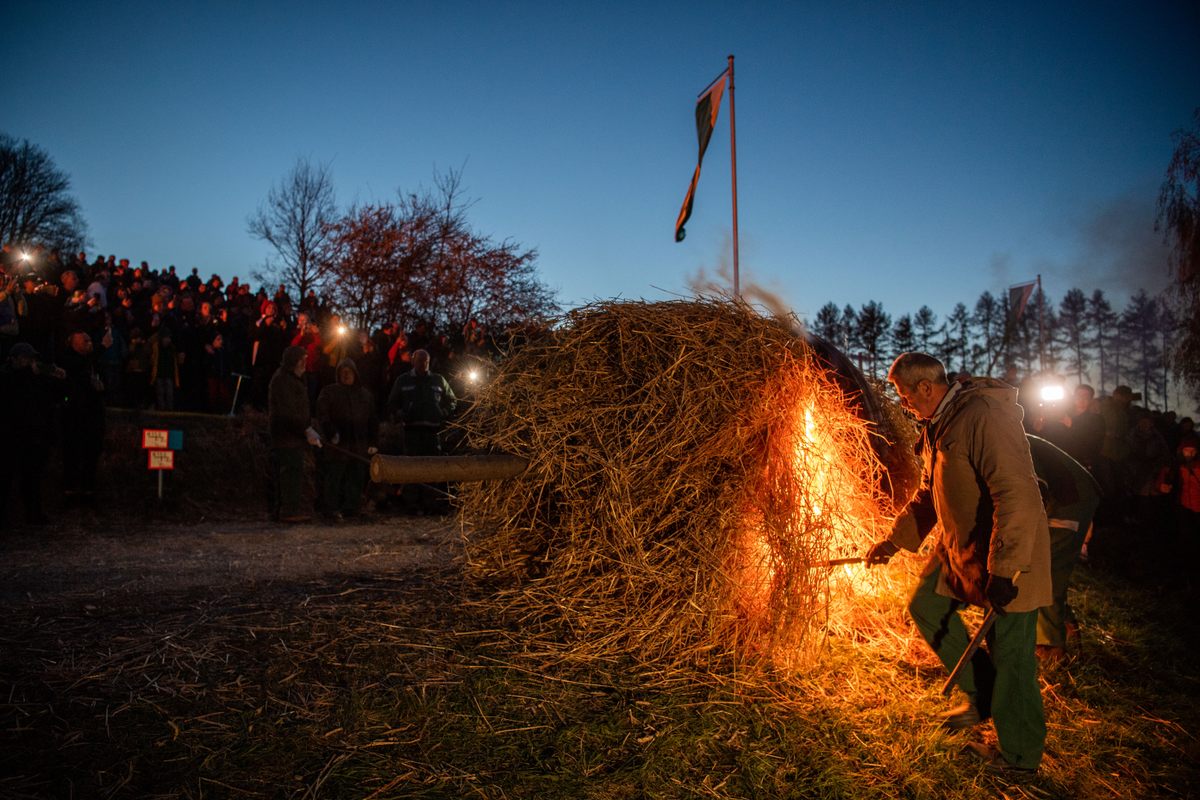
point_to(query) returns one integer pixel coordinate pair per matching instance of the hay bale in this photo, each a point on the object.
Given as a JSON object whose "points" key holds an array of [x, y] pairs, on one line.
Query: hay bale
{"points": [[689, 462]]}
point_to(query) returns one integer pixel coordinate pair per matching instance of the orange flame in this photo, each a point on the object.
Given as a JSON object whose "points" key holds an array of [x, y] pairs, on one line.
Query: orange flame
{"points": [[821, 501]]}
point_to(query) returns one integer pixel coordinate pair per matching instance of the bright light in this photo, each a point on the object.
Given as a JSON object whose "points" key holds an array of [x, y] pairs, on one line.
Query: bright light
{"points": [[341, 330], [473, 375], [26, 256], [1052, 393]]}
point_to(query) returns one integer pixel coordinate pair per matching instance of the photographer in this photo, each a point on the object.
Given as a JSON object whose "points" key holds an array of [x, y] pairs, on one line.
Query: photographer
{"points": [[268, 340], [42, 307]]}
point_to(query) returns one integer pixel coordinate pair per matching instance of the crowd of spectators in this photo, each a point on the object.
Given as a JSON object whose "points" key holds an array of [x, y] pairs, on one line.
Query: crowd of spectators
{"points": [[1145, 461], [185, 343], [136, 337], [77, 336]]}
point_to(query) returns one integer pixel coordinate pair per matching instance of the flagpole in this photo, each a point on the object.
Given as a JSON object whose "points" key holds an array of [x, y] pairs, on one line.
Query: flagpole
{"points": [[733, 167]]}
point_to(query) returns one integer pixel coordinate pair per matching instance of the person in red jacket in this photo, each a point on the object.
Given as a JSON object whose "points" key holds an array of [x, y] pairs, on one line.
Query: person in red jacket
{"points": [[1182, 482]]}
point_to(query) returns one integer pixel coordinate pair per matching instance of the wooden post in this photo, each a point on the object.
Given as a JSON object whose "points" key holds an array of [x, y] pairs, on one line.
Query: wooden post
{"points": [[453, 469]]}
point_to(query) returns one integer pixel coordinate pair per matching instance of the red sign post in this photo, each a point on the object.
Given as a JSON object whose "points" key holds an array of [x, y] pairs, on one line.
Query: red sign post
{"points": [[160, 446]]}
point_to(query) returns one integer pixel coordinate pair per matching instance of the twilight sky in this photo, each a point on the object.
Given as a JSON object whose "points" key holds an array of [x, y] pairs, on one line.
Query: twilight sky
{"points": [[902, 152]]}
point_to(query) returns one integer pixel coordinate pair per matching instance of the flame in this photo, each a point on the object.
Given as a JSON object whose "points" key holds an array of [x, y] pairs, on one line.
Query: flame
{"points": [[821, 501]]}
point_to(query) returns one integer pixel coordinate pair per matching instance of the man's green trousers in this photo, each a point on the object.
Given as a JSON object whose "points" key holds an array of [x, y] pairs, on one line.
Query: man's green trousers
{"points": [[1002, 680]]}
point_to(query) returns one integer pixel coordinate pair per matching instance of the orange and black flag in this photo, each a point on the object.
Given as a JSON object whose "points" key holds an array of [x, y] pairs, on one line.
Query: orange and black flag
{"points": [[707, 106], [1018, 299]]}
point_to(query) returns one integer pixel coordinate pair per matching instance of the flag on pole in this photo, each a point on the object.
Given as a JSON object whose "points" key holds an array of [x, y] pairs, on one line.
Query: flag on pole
{"points": [[1018, 299], [707, 106]]}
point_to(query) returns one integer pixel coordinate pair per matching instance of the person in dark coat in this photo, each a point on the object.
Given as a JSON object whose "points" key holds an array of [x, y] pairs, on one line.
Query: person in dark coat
{"points": [[28, 393], [1086, 426], [82, 419], [290, 426], [268, 341], [423, 401], [348, 421], [1071, 496]]}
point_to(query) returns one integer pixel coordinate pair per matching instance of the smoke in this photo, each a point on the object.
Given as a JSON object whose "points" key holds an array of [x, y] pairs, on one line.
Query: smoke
{"points": [[1000, 266], [1120, 251], [720, 284]]}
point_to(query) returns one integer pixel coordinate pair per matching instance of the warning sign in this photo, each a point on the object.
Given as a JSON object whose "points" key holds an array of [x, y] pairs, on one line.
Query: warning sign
{"points": [[154, 439], [161, 459]]}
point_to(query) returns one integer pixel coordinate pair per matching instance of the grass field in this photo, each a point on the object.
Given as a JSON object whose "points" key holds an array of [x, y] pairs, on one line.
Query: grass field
{"points": [[412, 685]]}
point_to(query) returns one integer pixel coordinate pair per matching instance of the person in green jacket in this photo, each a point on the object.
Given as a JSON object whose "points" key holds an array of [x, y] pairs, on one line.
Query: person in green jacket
{"points": [[993, 550], [1071, 497], [423, 401]]}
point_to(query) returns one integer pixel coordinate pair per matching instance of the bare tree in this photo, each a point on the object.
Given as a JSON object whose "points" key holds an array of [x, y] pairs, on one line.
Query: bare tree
{"points": [[419, 261], [296, 219], [372, 263], [1179, 217], [35, 206]]}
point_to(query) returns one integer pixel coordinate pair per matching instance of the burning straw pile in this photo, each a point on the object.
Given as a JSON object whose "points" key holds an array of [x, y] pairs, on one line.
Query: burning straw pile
{"points": [[691, 466]]}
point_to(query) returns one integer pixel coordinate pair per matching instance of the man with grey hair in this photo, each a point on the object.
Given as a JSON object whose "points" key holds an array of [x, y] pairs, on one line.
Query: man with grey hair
{"points": [[993, 550]]}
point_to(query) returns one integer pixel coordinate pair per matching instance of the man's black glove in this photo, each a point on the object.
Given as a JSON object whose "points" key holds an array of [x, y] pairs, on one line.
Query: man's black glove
{"points": [[1000, 592], [880, 553]]}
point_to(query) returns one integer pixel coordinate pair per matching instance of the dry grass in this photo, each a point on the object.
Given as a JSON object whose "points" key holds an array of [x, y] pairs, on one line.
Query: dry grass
{"points": [[432, 684], [220, 471], [403, 686], [690, 464]]}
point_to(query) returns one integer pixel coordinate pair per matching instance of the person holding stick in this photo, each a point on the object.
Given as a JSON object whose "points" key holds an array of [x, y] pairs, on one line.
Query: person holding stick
{"points": [[978, 488], [290, 424]]}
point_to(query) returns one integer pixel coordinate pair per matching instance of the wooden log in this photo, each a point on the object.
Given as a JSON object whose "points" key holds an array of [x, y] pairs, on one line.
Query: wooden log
{"points": [[454, 469]]}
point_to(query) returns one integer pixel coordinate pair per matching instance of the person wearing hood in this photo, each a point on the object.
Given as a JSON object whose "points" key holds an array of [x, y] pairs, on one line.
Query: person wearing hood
{"points": [[348, 421], [290, 426], [979, 491]]}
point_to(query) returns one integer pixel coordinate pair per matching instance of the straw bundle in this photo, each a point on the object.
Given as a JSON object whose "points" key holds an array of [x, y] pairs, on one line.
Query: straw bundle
{"points": [[690, 462]]}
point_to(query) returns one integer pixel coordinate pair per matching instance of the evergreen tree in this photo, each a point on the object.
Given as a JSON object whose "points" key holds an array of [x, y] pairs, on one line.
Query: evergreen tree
{"points": [[903, 338], [956, 342], [927, 329], [1142, 328], [849, 342], [987, 330], [1102, 330], [1072, 332], [873, 325], [828, 324]]}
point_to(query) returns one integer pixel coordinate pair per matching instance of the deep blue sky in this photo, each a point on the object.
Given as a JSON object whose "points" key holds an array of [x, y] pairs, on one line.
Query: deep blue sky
{"points": [[903, 152]]}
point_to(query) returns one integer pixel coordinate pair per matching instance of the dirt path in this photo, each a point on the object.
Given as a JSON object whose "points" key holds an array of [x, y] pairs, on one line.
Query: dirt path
{"points": [[77, 561]]}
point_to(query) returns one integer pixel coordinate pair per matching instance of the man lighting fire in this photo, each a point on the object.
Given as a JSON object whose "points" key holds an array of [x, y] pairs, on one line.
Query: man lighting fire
{"points": [[978, 487]]}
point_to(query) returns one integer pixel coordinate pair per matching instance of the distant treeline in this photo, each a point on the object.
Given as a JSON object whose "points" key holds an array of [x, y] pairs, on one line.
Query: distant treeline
{"points": [[1081, 338]]}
